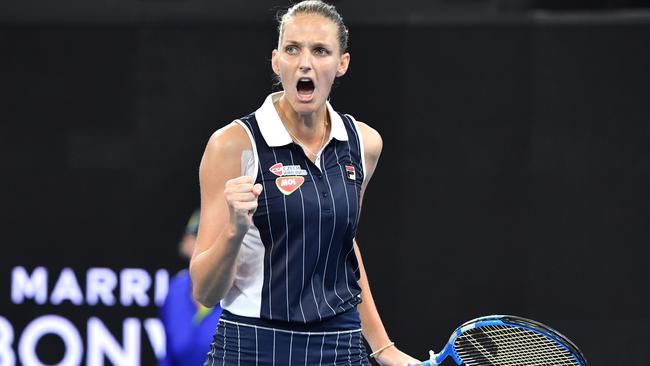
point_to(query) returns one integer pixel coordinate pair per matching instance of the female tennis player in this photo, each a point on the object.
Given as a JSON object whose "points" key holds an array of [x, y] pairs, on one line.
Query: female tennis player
{"points": [[281, 193]]}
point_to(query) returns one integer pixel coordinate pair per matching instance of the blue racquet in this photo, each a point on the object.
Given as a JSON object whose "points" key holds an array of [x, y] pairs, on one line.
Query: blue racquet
{"points": [[505, 340]]}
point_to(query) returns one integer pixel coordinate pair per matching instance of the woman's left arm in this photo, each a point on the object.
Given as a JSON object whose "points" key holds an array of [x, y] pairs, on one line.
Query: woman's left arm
{"points": [[371, 324], [372, 327]]}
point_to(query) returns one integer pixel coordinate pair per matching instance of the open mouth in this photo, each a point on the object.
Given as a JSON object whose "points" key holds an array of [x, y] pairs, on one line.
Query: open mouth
{"points": [[305, 87]]}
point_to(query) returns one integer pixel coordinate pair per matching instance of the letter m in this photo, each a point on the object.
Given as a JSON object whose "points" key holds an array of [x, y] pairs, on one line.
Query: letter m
{"points": [[25, 286]]}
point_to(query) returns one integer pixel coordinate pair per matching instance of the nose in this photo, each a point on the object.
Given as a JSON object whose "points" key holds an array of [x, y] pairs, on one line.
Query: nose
{"points": [[305, 62]]}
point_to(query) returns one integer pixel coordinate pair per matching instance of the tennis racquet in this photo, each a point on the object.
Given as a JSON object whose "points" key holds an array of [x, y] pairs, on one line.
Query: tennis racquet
{"points": [[505, 340]]}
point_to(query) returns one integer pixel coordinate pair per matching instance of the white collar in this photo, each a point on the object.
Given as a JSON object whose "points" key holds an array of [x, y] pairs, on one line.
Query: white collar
{"points": [[274, 132]]}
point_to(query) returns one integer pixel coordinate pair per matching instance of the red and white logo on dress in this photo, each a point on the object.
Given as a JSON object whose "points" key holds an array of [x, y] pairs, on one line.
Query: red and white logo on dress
{"points": [[288, 185], [349, 170], [277, 169]]}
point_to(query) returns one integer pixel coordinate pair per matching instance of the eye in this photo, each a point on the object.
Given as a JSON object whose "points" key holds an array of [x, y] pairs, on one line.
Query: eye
{"points": [[321, 51], [291, 50]]}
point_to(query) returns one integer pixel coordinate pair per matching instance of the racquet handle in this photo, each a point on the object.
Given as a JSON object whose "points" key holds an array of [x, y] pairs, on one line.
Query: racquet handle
{"points": [[430, 362]]}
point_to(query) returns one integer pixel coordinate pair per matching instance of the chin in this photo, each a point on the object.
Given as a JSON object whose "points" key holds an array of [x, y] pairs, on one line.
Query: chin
{"points": [[311, 106]]}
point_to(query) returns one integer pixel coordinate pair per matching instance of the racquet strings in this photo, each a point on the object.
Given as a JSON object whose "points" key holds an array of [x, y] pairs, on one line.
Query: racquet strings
{"points": [[501, 345]]}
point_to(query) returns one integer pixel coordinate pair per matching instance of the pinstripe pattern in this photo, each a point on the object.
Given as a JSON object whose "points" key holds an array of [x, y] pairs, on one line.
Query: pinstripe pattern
{"points": [[306, 349], [350, 350], [268, 218], [336, 354], [320, 316], [285, 347], [304, 242], [286, 245], [310, 270], [224, 347], [349, 121], [332, 231], [238, 345], [347, 200], [301, 306]]}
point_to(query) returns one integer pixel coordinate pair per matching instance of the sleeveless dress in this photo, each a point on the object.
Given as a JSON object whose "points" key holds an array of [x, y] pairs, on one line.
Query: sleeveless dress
{"points": [[295, 291]]}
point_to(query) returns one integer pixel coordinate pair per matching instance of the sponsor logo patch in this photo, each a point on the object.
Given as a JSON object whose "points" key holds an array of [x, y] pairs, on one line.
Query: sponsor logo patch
{"points": [[276, 169], [281, 170], [288, 185], [349, 170]]}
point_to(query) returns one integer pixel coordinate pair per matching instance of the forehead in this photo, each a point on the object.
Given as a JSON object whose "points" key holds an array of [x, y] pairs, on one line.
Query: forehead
{"points": [[310, 28]]}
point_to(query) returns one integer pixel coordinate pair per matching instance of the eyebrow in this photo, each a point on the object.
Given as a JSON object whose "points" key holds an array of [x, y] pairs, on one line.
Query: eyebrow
{"points": [[302, 44]]}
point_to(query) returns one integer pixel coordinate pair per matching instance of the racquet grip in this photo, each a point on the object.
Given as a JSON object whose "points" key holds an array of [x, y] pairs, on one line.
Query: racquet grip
{"points": [[432, 361]]}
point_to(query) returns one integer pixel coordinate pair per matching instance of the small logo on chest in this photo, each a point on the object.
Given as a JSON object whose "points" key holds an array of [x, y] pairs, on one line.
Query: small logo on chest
{"points": [[349, 170], [288, 185], [281, 170]]}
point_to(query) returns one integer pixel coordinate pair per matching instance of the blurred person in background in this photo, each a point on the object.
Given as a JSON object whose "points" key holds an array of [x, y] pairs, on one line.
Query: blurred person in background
{"points": [[189, 326]]}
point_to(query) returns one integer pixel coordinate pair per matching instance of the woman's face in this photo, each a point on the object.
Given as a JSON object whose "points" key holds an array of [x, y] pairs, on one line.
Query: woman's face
{"points": [[307, 60]]}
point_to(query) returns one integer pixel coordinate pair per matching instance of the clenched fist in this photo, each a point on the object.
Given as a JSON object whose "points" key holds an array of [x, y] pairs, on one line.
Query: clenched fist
{"points": [[241, 195]]}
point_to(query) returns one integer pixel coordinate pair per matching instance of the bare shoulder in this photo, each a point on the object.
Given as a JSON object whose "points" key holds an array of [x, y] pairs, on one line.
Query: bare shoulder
{"points": [[228, 141], [371, 140], [222, 156]]}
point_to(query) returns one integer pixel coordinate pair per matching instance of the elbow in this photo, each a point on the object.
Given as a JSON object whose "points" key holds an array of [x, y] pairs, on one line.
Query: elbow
{"points": [[200, 291], [208, 288], [204, 297], [204, 294]]}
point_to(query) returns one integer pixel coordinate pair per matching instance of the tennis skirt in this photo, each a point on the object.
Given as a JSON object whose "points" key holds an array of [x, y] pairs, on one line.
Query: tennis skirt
{"points": [[245, 341]]}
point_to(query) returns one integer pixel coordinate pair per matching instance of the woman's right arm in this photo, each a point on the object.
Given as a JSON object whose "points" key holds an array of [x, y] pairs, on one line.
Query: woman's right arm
{"points": [[228, 202]]}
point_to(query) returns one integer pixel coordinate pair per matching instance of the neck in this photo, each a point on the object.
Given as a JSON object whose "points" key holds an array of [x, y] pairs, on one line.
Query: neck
{"points": [[307, 127]]}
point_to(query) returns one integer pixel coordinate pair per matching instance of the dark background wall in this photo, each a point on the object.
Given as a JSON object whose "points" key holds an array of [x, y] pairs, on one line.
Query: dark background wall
{"points": [[513, 180]]}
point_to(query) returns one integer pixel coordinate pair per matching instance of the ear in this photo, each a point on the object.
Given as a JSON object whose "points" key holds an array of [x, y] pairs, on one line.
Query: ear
{"points": [[343, 64], [274, 62]]}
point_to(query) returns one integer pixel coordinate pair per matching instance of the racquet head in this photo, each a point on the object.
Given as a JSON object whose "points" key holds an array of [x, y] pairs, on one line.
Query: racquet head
{"points": [[505, 340]]}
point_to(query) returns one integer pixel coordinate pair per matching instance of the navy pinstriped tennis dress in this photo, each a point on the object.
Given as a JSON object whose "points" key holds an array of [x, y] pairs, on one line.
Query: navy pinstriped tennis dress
{"points": [[294, 296]]}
